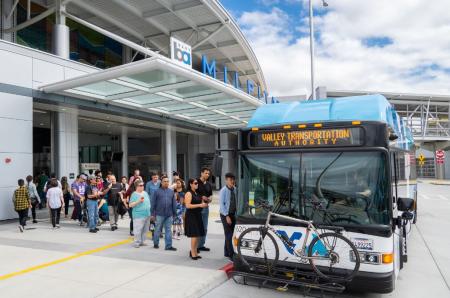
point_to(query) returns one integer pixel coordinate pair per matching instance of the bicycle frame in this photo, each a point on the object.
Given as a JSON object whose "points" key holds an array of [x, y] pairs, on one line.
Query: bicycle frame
{"points": [[310, 226]]}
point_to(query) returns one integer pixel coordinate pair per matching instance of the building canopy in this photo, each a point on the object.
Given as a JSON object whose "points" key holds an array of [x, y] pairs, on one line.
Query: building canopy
{"points": [[159, 85]]}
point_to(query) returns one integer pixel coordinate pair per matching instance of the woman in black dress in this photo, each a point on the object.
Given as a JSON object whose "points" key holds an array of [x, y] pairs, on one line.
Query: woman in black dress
{"points": [[193, 221]]}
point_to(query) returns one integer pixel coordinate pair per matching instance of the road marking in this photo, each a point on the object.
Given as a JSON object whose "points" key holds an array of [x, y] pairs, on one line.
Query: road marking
{"points": [[62, 260], [425, 197]]}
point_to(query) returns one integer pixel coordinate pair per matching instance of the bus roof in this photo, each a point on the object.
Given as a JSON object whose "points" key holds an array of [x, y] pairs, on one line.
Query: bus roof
{"points": [[354, 108]]}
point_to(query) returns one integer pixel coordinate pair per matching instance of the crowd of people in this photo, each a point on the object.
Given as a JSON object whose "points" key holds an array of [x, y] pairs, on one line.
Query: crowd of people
{"points": [[169, 209]]}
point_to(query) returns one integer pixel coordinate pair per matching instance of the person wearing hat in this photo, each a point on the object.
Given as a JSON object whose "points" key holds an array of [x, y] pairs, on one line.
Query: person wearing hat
{"points": [[92, 196]]}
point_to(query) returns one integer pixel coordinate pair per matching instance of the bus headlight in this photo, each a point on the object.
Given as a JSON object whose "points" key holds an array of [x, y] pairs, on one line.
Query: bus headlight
{"points": [[373, 258]]}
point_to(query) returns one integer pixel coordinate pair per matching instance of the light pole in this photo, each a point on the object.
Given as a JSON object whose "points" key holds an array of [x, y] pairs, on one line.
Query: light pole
{"points": [[311, 45]]}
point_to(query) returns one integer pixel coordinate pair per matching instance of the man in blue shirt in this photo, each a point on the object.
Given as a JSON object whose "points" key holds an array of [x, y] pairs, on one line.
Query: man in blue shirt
{"points": [[227, 205], [163, 209], [152, 185]]}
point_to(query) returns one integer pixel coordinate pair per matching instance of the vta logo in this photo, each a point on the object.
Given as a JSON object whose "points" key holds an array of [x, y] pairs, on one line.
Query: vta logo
{"points": [[318, 250]]}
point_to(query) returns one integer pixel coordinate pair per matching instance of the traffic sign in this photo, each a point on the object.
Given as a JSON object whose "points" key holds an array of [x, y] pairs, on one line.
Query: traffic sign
{"points": [[440, 156], [421, 160]]}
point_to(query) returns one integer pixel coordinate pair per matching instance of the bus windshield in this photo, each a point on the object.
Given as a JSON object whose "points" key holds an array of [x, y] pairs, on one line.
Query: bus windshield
{"points": [[332, 188]]}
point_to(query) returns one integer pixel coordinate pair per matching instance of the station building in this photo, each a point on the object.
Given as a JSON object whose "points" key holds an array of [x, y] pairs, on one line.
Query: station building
{"points": [[155, 85]]}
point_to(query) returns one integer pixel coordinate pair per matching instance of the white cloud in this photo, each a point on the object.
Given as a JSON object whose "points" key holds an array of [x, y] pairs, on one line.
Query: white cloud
{"points": [[418, 60]]}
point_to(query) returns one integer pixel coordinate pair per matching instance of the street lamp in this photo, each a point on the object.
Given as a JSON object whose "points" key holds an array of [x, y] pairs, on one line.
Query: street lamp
{"points": [[311, 45]]}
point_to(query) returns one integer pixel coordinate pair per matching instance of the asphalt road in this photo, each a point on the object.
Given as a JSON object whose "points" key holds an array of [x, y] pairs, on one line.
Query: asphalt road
{"points": [[427, 273]]}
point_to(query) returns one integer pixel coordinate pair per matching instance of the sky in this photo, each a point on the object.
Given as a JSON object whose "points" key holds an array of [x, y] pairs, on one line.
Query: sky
{"points": [[365, 45]]}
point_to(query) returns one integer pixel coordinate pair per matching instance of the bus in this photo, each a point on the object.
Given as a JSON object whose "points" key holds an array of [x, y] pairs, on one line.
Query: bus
{"points": [[352, 156]]}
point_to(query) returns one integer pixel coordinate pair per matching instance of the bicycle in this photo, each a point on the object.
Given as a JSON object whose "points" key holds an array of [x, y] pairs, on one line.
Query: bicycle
{"points": [[324, 252]]}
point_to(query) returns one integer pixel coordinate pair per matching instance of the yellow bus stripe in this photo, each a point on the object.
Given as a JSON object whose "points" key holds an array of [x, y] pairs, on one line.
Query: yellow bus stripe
{"points": [[62, 260]]}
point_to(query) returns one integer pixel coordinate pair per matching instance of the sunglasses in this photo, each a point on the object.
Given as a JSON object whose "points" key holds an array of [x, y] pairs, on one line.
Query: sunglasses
{"points": [[141, 185], [195, 183]]}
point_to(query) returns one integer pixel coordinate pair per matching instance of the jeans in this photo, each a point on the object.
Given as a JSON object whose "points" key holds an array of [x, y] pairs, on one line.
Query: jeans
{"points": [[166, 222], [130, 213], [92, 207], [23, 214], [140, 230], [67, 198], [113, 215], [205, 216], [77, 211], [55, 213], [33, 209], [228, 231], [43, 197]]}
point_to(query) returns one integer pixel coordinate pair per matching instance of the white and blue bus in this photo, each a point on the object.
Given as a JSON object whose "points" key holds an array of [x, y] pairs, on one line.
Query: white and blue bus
{"points": [[353, 157]]}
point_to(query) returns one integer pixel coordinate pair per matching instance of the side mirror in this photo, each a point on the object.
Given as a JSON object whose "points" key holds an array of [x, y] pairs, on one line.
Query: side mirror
{"points": [[408, 215], [405, 204]]}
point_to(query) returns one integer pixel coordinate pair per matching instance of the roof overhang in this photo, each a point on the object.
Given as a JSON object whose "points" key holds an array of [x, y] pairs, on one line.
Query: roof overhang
{"points": [[160, 86]]}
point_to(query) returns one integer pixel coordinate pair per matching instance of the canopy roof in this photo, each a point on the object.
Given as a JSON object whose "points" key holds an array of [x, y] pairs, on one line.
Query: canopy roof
{"points": [[159, 85], [203, 24]]}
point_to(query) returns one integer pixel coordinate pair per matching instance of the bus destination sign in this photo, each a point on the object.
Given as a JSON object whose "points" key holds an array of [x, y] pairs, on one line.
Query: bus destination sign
{"points": [[328, 137]]}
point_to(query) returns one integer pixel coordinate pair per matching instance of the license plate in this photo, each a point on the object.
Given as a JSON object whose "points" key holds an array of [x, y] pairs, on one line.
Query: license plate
{"points": [[363, 243]]}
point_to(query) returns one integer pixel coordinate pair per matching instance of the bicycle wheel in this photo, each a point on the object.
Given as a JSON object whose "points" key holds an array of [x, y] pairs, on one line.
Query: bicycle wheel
{"points": [[341, 258], [253, 247]]}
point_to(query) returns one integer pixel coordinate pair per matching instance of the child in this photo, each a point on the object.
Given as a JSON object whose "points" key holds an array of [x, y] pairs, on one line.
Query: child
{"points": [[178, 220]]}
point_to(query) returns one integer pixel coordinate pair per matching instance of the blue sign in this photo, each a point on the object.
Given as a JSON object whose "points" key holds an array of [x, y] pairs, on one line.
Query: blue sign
{"points": [[319, 248], [210, 68]]}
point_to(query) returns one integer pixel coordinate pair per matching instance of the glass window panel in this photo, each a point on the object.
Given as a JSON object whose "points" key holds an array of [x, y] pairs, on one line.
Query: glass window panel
{"points": [[148, 98], [194, 91], [104, 88], [154, 78], [351, 187], [93, 154]]}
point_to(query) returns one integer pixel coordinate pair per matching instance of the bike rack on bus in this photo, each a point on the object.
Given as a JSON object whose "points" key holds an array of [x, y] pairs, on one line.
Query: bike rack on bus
{"points": [[280, 278]]}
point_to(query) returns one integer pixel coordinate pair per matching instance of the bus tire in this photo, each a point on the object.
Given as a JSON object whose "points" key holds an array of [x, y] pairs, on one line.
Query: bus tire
{"points": [[246, 261]]}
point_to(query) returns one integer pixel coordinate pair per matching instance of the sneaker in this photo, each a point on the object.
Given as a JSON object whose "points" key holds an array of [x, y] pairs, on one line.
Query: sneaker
{"points": [[21, 229], [156, 246], [143, 244], [203, 249], [96, 229], [92, 231], [136, 245], [58, 226], [34, 221], [171, 248], [131, 233]]}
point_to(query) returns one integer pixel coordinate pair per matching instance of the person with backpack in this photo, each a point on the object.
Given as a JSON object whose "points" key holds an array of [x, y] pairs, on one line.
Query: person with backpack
{"points": [[22, 203], [34, 196], [114, 196], [67, 195]]}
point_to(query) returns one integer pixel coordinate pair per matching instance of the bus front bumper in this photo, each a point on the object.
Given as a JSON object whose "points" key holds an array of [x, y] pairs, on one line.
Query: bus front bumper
{"points": [[372, 282], [364, 282]]}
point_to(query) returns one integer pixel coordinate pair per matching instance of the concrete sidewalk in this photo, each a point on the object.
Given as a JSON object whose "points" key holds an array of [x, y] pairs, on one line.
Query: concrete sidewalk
{"points": [[434, 181], [71, 262]]}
